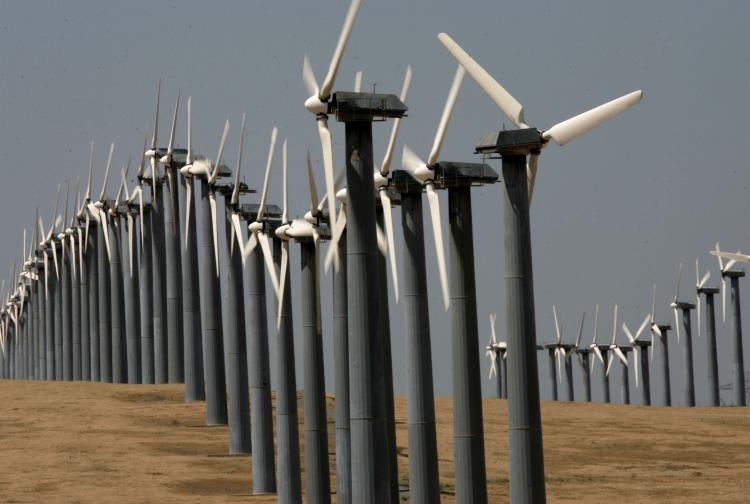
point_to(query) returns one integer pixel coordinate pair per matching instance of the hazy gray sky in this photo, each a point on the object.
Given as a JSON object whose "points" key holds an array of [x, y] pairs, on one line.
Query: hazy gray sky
{"points": [[613, 211]]}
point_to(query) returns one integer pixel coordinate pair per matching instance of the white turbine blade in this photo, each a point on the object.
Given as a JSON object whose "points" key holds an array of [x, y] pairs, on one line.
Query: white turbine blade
{"points": [[73, 255], [621, 356], [328, 82], [282, 280], [636, 357], [308, 78], [266, 177], [497, 93], [325, 144], [284, 184], [679, 277], [599, 354], [188, 202], [380, 238], [432, 159], [596, 324], [130, 243], [156, 117], [614, 326], [493, 322], [677, 325], [719, 256], [106, 173], [217, 165], [103, 221], [54, 258], [574, 127], [312, 187], [531, 169], [437, 230], [358, 81], [385, 202], [729, 255], [493, 358], [338, 230], [268, 256], [238, 232], [580, 330], [87, 196], [386, 165], [705, 279], [236, 188], [557, 326], [643, 326], [212, 202], [558, 356], [653, 303], [170, 147]]}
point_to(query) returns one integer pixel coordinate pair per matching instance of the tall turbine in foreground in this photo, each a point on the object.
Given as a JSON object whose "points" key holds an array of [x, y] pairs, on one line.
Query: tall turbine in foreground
{"points": [[524, 417]]}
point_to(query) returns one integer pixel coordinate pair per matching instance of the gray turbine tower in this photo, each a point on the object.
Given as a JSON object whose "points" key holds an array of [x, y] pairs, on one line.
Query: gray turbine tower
{"points": [[145, 280], [738, 360], [90, 247], [371, 468], [308, 233], [261, 421], [132, 286], [235, 350], [100, 209], [460, 295], [713, 362], [191, 311], [67, 335], [175, 353], [213, 339], [684, 307], [158, 256], [117, 285], [587, 357]]}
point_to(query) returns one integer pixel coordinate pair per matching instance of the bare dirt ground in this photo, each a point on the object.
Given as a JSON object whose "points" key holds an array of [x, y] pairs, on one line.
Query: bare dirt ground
{"points": [[84, 442]]}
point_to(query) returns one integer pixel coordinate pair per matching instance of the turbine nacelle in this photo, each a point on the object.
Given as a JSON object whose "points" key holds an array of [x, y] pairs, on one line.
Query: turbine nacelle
{"points": [[316, 106]]}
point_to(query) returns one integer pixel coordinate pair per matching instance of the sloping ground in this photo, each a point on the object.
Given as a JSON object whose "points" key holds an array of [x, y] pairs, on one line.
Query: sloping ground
{"points": [[83, 442]]}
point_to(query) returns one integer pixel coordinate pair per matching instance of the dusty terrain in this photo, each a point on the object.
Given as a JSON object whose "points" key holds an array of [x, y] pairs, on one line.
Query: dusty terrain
{"points": [[84, 442]]}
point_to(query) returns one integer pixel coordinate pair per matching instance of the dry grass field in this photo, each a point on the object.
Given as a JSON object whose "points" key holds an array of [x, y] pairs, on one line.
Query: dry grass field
{"points": [[84, 442]]}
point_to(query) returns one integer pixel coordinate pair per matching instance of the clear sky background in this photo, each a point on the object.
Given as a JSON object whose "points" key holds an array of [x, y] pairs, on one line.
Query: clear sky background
{"points": [[613, 211]]}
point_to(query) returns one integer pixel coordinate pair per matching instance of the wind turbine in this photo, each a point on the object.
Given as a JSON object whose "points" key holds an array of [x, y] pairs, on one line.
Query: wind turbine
{"points": [[65, 290], [527, 472], [497, 351], [132, 285], [117, 287], [46, 244], [620, 352], [713, 363], [158, 256], [563, 353], [91, 246], [584, 359], [191, 312], [662, 331], [308, 235], [601, 352], [213, 345], [76, 256], [261, 415], [172, 250], [83, 220], [318, 103], [99, 208], [234, 329], [372, 479], [640, 352], [738, 360], [689, 383]]}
